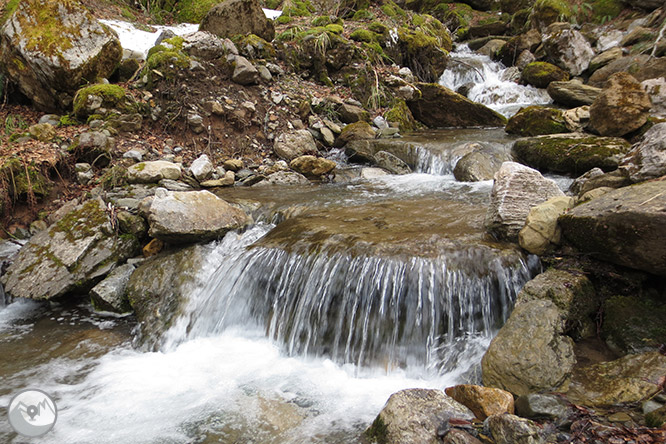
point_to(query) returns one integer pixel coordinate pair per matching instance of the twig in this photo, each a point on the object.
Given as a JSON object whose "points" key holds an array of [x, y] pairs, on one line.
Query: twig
{"points": [[652, 198]]}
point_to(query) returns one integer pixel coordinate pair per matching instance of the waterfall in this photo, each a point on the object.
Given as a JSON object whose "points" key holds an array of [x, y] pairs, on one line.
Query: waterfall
{"points": [[490, 83], [393, 312]]}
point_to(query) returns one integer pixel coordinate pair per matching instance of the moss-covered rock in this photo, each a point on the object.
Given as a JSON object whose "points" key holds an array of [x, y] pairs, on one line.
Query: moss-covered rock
{"points": [[509, 53], [546, 12], [255, 47], [102, 98], [193, 11], [422, 51], [165, 59], [571, 153], [634, 324], [536, 121], [540, 74], [402, 115], [23, 179]]}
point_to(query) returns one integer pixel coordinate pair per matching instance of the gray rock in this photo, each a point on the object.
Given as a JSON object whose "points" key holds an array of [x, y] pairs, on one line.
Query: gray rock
{"points": [[621, 227], [479, 165], [352, 113], [541, 231], [265, 73], [283, 178], [52, 119], [245, 72], [491, 47], [647, 159], [50, 70], [94, 147], [517, 188], [133, 154], [534, 405], [392, 163], [153, 172], [373, 173], [380, 122], [196, 122], [204, 45], [511, 429], [572, 93], [238, 17], [192, 216], [74, 253], [569, 50], [110, 294], [202, 168], [414, 415], [327, 136], [530, 352], [289, 146], [84, 173]]}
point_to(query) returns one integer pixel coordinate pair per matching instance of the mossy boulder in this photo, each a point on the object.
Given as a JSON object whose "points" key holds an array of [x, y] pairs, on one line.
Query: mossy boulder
{"points": [[439, 107], [536, 121], [424, 53], [193, 11], [355, 131], [401, 114], [234, 17], [540, 74], [102, 99], [255, 47], [547, 12], [573, 153], [71, 255], [634, 324], [165, 59], [49, 48]]}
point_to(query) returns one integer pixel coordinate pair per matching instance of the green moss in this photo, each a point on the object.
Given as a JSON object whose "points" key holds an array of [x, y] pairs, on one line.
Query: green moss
{"points": [[261, 48], [536, 121], [334, 29], [23, 179], [322, 20], [363, 14], [378, 28], [363, 35], [80, 223], [401, 114], [605, 10], [193, 11], [298, 9], [68, 120], [377, 432], [540, 74], [112, 96], [545, 12], [8, 10], [283, 20]]}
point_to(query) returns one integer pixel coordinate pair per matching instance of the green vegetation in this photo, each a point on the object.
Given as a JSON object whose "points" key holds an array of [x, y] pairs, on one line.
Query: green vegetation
{"points": [[111, 95], [545, 12], [401, 114], [363, 35], [8, 10], [193, 11]]}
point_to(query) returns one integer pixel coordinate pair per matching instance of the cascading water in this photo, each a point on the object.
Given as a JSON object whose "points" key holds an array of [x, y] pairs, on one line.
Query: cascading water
{"points": [[491, 83]]}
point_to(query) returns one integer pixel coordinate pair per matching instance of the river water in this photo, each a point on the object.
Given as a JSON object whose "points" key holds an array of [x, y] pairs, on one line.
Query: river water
{"points": [[340, 295]]}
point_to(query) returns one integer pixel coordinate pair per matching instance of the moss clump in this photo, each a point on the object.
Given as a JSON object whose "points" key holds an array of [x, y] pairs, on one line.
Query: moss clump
{"points": [[298, 9], [80, 223], [45, 31], [114, 177], [378, 28], [401, 114], [334, 28], [193, 11], [112, 96], [363, 14], [606, 10], [68, 120], [363, 35], [455, 15], [8, 10], [536, 121], [394, 11], [322, 20], [540, 74], [166, 58], [255, 47]]}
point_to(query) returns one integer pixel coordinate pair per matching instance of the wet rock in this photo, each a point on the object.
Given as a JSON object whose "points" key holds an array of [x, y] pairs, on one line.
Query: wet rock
{"points": [[621, 227], [571, 153], [634, 323], [152, 172], [647, 159], [352, 113], [480, 164], [202, 168], [110, 294], [540, 74], [74, 253], [414, 415], [289, 146], [311, 166], [539, 406], [569, 50], [530, 353], [392, 163], [573, 93], [235, 17], [541, 231], [439, 107], [245, 73], [622, 107], [482, 401], [524, 59], [517, 188], [373, 173], [596, 178], [49, 49], [625, 380], [536, 121], [511, 429], [192, 216]]}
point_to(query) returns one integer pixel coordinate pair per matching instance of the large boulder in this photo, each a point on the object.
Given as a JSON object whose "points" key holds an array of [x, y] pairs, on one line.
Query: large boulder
{"points": [[536, 121], [530, 353], [541, 231], [234, 17], [480, 164], [623, 226], [569, 50], [192, 216], [647, 159], [625, 380], [289, 146], [50, 48], [73, 254], [571, 153], [540, 74], [517, 188], [439, 107], [573, 93], [622, 107], [414, 415]]}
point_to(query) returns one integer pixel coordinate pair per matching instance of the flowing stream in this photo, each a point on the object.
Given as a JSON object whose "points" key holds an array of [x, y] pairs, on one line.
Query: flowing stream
{"points": [[304, 324]]}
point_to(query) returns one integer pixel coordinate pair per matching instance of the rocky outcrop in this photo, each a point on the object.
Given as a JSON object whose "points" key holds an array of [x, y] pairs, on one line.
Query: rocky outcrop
{"points": [[191, 216], [517, 188], [73, 254], [439, 107], [536, 121], [153, 172], [571, 153], [568, 49], [234, 17], [573, 93], [647, 159], [289, 146], [50, 48], [530, 352], [622, 107], [414, 415], [541, 74], [622, 227], [482, 401], [541, 231]]}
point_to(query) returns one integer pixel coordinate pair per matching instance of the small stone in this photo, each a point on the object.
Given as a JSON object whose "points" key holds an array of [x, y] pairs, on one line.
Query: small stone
{"points": [[233, 164], [133, 154], [201, 168], [196, 123]]}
